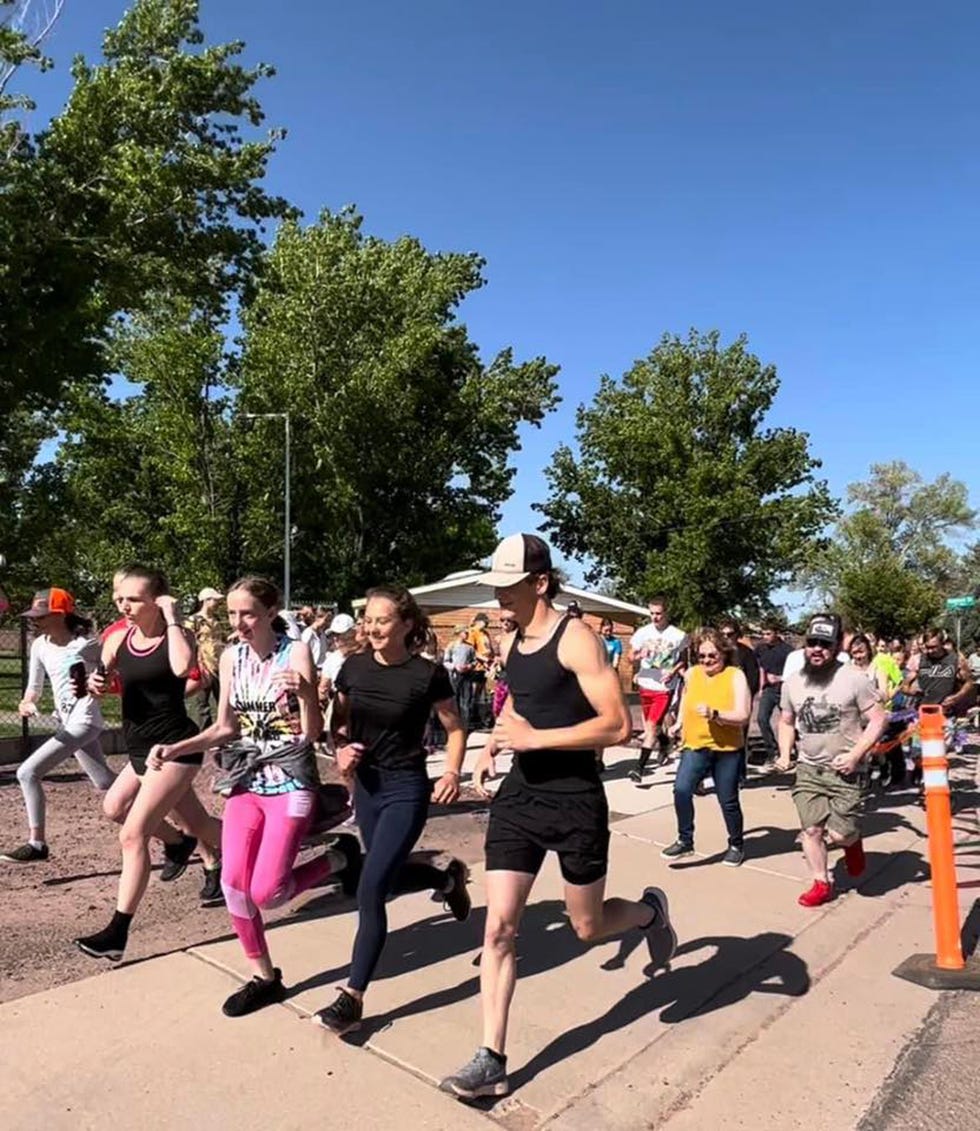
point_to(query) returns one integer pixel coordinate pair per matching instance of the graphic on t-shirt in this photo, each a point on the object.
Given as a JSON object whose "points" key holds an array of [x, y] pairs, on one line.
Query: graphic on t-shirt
{"points": [[817, 716], [267, 719]]}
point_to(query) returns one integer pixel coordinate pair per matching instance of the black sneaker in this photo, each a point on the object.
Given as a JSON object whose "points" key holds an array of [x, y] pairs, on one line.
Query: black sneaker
{"points": [[733, 857], [176, 857], [457, 898], [676, 850], [103, 944], [254, 995], [25, 854], [485, 1075], [661, 936], [635, 776], [341, 1017], [350, 875], [211, 894]]}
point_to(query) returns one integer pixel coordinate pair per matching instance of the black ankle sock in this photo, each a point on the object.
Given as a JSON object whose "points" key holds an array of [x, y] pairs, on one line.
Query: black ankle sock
{"points": [[645, 752], [119, 924], [498, 1057]]}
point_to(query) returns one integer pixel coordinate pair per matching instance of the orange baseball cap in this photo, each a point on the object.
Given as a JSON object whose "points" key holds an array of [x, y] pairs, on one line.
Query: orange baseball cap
{"points": [[48, 601]]}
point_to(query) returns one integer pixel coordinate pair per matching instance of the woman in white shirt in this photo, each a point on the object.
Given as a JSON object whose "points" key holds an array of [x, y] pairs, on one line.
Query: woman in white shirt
{"points": [[63, 651]]}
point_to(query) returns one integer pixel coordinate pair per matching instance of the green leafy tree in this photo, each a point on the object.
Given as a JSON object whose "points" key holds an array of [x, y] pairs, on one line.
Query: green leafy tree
{"points": [[24, 26], [679, 488], [893, 559], [401, 435], [146, 476], [145, 190]]}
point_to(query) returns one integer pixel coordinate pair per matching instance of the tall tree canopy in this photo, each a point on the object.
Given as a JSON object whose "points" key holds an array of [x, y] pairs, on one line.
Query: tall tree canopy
{"points": [[401, 436], [678, 487], [893, 558], [144, 192]]}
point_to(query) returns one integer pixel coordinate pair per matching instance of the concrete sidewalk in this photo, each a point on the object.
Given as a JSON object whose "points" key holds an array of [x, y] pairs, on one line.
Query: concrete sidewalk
{"points": [[770, 1016]]}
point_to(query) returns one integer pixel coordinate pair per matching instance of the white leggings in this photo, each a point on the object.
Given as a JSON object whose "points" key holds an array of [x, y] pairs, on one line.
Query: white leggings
{"points": [[86, 747]]}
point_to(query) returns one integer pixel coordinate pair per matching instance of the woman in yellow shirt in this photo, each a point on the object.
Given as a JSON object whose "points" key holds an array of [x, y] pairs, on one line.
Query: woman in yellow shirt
{"points": [[711, 720]]}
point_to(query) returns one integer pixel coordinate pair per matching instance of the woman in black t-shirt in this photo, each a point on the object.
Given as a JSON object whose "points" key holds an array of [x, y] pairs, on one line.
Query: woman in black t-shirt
{"points": [[384, 697]]}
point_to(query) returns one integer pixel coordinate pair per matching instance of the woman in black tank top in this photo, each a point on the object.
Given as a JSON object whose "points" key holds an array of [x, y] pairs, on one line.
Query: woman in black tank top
{"points": [[152, 659]]}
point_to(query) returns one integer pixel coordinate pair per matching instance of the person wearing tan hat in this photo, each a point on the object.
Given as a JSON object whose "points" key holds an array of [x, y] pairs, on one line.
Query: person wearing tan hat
{"points": [[208, 637], [65, 652]]}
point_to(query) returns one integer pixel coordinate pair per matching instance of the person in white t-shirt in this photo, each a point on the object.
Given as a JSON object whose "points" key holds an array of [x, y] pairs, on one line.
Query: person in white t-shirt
{"points": [[63, 651], [343, 632], [315, 634], [657, 651]]}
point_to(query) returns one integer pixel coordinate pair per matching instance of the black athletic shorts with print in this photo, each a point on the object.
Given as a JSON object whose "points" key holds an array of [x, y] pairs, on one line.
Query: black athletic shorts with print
{"points": [[526, 824]]}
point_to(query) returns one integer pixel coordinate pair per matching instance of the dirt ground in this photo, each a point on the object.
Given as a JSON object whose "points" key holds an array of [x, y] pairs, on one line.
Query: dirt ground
{"points": [[45, 905]]}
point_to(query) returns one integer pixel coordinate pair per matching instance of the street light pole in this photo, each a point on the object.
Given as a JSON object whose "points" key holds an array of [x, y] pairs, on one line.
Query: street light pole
{"points": [[287, 537]]}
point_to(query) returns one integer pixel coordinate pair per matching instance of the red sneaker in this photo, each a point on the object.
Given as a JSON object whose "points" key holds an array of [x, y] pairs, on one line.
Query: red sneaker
{"points": [[819, 893], [854, 859]]}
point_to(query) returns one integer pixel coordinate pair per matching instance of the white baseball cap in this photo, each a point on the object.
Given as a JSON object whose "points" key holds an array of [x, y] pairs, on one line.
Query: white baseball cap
{"points": [[209, 592], [517, 557], [341, 623]]}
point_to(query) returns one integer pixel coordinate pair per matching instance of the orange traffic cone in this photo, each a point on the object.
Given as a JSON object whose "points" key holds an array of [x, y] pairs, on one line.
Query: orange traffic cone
{"points": [[946, 969]]}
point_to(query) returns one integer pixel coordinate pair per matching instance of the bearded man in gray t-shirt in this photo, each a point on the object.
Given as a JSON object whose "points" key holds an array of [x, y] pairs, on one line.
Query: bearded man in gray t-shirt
{"points": [[835, 714]]}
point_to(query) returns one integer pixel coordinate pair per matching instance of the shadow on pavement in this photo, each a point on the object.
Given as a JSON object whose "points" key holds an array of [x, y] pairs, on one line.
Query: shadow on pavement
{"points": [[737, 968]]}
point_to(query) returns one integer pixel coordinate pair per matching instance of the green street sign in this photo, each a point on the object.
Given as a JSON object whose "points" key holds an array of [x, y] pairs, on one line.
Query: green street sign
{"points": [[954, 603]]}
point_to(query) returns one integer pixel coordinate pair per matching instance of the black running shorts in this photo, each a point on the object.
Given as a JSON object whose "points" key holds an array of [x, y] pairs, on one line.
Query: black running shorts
{"points": [[137, 759], [527, 823]]}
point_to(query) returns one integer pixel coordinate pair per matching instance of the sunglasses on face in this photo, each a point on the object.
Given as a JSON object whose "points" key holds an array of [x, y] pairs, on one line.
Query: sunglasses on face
{"points": [[708, 656], [818, 644]]}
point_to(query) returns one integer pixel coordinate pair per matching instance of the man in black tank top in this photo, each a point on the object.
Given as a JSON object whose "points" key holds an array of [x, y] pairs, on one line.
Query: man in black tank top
{"points": [[565, 703]]}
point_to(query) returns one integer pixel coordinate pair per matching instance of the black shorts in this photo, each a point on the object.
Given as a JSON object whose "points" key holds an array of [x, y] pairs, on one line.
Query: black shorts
{"points": [[138, 761], [525, 824]]}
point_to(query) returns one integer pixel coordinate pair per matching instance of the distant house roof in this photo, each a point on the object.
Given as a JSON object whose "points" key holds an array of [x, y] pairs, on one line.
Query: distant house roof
{"points": [[460, 591]]}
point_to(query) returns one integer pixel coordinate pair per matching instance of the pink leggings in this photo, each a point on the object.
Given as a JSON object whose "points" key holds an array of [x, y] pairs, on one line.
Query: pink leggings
{"points": [[260, 838]]}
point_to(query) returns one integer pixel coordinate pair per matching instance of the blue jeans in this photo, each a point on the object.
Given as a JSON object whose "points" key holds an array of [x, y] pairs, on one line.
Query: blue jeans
{"points": [[724, 768], [768, 702], [391, 808]]}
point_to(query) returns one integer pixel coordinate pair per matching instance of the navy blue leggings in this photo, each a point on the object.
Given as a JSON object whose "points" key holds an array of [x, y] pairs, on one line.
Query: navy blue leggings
{"points": [[391, 810]]}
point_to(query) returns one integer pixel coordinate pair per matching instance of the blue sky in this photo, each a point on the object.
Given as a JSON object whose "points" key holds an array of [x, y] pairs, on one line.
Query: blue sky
{"points": [[807, 174]]}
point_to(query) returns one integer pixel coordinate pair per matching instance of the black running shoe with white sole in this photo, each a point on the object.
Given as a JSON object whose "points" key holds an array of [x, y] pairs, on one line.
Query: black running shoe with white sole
{"points": [[676, 850], [255, 994], [484, 1075], [457, 898], [661, 936], [103, 944], [176, 857], [344, 1015], [25, 854]]}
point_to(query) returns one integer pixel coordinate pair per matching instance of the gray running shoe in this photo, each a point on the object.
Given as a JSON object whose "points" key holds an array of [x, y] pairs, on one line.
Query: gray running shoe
{"points": [[677, 849], [661, 936], [485, 1075], [176, 857]]}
